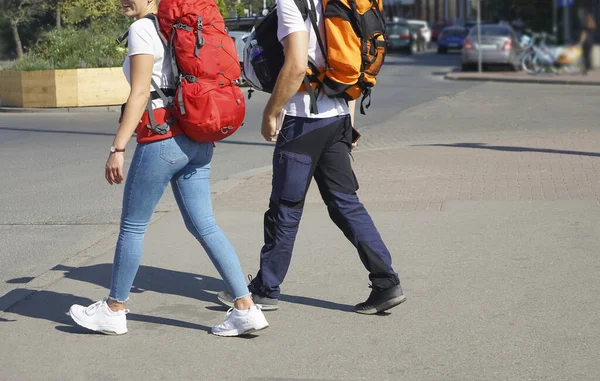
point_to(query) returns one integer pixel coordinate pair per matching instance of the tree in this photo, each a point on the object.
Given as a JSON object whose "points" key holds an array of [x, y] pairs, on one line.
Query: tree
{"points": [[223, 8], [240, 9], [18, 12]]}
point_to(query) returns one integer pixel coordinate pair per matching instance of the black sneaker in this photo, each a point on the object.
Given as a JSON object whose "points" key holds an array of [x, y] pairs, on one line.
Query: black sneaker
{"points": [[268, 304], [381, 300]]}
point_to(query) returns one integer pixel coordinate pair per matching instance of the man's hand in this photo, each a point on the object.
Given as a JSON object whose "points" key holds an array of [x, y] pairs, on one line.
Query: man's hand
{"points": [[269, 128]]}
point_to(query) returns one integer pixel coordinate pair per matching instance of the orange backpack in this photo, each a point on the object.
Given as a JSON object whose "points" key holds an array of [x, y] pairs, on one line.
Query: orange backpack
{"points": [[354, 49]]}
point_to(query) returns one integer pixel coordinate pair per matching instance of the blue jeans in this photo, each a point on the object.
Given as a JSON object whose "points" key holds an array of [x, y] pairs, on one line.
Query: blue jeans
{"points": [[186, 165]]}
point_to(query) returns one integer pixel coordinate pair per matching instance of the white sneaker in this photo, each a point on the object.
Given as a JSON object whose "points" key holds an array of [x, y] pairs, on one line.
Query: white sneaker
{"points": [[239, 322], [100, 318]]}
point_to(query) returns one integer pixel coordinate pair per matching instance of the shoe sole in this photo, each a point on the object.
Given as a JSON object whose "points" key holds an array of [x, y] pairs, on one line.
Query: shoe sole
{"points": [[96, 328], [264, 307], [237, 333], [383, 306]]}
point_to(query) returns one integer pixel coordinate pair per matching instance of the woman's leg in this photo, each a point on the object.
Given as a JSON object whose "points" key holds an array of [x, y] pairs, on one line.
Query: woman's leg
{"points": [[146, 182], [587, 57], [191, 187], [148, 176]]}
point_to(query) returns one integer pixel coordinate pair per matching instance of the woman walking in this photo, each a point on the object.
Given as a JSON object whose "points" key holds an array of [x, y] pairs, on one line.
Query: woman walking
{"points": [[160, 159]]}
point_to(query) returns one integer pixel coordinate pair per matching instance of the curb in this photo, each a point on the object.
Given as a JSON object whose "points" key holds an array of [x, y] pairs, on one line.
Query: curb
{"points": [[103, 246], [75, 110], [546, 81]]}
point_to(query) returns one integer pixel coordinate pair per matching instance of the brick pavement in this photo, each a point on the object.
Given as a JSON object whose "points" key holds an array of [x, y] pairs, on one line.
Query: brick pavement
{"points": [[561, 166], [496, 244]]}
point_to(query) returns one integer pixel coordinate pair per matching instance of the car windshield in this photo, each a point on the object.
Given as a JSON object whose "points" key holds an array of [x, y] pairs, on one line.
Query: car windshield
{"points": [[397, 28], [454, 33], [498, 31]]}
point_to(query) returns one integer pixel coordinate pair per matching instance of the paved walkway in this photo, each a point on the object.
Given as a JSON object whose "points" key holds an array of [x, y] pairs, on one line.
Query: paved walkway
{"points": [[493, 224]]}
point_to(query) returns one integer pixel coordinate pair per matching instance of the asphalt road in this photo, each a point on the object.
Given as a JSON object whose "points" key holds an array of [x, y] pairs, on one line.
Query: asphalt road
{"points": [[54, 201]]}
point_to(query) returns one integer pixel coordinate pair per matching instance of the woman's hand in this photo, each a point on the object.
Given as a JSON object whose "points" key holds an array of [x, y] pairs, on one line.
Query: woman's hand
{"points": [[114, 168]]}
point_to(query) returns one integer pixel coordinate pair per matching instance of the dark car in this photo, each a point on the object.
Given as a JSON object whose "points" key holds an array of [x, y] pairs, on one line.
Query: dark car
{"points": [[400, 38], [436, 29], [451, 38]]}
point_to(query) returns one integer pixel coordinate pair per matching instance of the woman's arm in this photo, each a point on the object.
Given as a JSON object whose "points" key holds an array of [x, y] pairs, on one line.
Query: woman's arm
{"points": [[141, 77]]}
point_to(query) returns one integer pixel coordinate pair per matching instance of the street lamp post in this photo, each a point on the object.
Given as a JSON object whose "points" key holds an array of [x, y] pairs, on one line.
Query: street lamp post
{"points": [[479, 36], [555, 19], [567, 21]]}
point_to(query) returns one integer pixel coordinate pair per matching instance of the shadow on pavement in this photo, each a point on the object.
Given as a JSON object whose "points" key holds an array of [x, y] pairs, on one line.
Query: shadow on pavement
{"points": [[511, 149], [22, 280], [57, 131], [53, 306], [316, 303]]}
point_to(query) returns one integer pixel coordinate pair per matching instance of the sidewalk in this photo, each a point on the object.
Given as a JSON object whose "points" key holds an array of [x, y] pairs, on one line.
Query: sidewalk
{"points": [[495, 240], [592, 79]]}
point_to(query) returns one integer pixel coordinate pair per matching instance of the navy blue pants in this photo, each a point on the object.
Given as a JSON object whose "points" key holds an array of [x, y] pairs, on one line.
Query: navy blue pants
{"points": [[318, 148]]}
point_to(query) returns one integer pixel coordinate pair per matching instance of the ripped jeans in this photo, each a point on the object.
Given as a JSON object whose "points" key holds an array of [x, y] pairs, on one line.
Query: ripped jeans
{"points": [[186, 165]]}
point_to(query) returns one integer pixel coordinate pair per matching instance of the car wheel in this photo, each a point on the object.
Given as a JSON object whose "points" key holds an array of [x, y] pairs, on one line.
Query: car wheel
{"points": [[442, 51], [466, 67]]}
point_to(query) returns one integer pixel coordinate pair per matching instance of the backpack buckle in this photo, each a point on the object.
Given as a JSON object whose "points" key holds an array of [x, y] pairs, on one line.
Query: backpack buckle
{"points": [[225, 130]]}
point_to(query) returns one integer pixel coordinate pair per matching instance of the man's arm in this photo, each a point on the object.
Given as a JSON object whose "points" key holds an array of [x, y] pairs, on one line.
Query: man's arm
{"points": [[351, 109], [295, 48]]}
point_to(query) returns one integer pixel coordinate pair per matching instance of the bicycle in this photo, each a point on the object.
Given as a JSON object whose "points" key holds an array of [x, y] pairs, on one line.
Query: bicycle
{"points": [[540, 57]]}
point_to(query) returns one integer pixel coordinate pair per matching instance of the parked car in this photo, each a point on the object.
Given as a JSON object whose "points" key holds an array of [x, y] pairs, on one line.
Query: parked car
{"points": [[400, 38], [240, 40], [451, 38], [436, 29], [499, 46], [425, 30]]}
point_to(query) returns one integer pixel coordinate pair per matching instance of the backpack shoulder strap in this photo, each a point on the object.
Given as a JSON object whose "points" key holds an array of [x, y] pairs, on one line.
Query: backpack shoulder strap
{"points": [[154, 19], [150, 16], [310, 12]]}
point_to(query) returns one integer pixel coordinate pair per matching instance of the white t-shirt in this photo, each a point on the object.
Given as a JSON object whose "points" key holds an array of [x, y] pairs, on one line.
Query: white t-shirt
{"points": [[290, 21], [144, 39]]}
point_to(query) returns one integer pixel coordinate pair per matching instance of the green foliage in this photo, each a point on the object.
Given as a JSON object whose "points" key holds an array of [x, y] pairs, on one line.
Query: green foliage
{"points": [[78, 11], [71, 48], [223, 8], [31, 62], [240, 9]]}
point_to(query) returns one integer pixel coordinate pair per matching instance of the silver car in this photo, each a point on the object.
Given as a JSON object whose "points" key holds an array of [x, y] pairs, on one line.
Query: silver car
{"points": [[499, 46]]}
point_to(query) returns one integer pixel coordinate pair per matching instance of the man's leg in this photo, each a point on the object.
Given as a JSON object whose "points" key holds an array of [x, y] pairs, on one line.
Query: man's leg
{"points": [[338, 187], [300, 144]]}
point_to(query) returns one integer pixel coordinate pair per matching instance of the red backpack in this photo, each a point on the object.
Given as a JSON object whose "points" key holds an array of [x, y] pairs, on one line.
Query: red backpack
{"points": [[208, 105]]}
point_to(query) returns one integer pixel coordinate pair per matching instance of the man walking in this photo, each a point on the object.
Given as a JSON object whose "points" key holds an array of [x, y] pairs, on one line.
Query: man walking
{"points": [[313, 145]]}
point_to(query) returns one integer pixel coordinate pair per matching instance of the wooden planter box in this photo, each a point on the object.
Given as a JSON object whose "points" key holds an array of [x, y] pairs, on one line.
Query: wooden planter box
{"points": [[63, 88]]}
